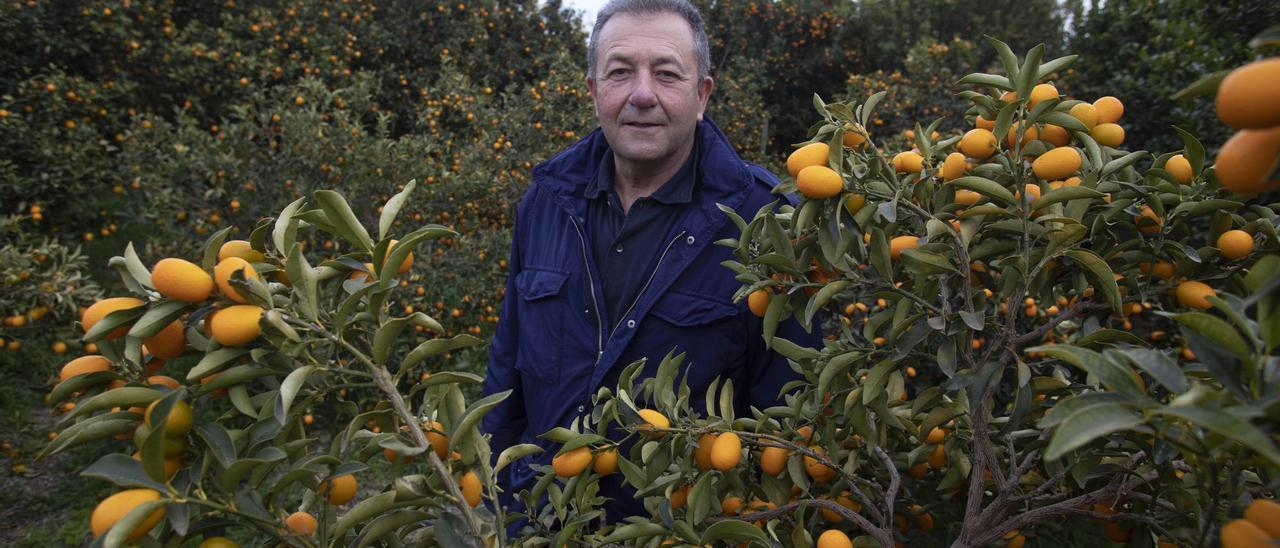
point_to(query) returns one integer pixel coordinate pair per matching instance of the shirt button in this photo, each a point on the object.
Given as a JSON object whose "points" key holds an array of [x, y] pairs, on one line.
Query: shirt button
{"points": [[631, 324], [618, 249]]}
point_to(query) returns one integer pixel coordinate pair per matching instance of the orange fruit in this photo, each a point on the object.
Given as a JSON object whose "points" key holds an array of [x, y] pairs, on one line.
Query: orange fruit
{"points": [[408, 260], [938, 457], [606, 462], [1180, 168], [967, 197], [1042, 92], [702, 455], [936, 436], [1109, 109], [819, 182], [301, 524], [219, 542], [1086, 113], [1243, 533], [954, 166], [726, 451], [773, 460], [984, 123], [1108, 134], [222, 275], [1266, 515], [902, 243], [1058, 163], [179, 421], [854, 135], [834, 538], [169, 342], [1057, 135], [812, 154], [843, 500], [1246, 159], [471, 488], [1147, 220], [101, 309], [731, 506], [924, 520], [679, 497], [435, 436], [908, 162], [83, 365], [181, 280], [164, 380], [1246, 97], [820, 472], [978, 143], [1195, 294], [339, 490], [242, 249], [1117, 532], [115, 507], [1235, 244], [236, 325], [655, 420], [758, 302], [571, 463]]}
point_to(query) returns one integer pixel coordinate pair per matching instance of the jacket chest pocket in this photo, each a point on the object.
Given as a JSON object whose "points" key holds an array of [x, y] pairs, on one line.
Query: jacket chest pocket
{"points": [[705, 329], [540, 312]]}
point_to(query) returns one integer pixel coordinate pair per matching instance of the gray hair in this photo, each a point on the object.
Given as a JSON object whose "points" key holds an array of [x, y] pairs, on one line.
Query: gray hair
{"points": [[683, 8]]}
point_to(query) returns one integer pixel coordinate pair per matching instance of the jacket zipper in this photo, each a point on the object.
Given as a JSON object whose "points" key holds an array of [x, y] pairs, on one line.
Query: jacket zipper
{"points": [[647, 282], [591, 284]]}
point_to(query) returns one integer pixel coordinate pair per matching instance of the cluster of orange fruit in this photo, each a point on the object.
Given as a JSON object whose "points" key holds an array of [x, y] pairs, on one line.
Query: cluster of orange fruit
{"points": [[1246, 101]]}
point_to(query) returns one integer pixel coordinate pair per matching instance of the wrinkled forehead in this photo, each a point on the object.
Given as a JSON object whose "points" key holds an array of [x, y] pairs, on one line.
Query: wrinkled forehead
{"points": [[661, 36]]}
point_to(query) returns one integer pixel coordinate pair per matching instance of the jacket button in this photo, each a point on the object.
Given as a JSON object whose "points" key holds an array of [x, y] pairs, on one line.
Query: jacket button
{"points": [[690, 240], [582, 408], [631, 324]]}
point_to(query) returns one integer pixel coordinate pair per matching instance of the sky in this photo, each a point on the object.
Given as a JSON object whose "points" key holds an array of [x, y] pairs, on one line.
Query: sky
{"points": [[589, 9]]}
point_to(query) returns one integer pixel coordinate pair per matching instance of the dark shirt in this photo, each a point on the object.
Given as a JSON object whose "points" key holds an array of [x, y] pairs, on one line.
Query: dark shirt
{"points": [[627, 246]]}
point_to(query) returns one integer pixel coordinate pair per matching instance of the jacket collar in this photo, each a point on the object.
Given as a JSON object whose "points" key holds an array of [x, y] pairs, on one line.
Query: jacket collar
{"points": [[676, 190], [723, 176]]}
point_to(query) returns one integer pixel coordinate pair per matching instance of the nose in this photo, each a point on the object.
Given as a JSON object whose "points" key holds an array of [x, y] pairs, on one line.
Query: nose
{"points": [[642, 94]]}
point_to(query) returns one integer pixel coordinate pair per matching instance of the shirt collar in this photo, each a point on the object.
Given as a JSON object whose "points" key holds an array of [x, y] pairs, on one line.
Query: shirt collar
{"points": [[677, 190]]}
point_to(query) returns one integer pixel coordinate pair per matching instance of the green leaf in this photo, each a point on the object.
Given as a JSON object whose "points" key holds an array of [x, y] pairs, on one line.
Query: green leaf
{"points": [[289, 390], [384, 339], [870, 106], [985, 187], [123, 397], [1007, 58], [211, 247], [1026, 78], [387, 524], [1106, 335], [793, 350], [981, 79], [835, 366], [392, 261], [214, 361], [877, 378], [344, 220], [158, 317], [231, 377], [121, 470], [1216, 330], [1064, 194], [231, 477], [473, 414], [1123, 162], [304, 280], [437, 346], [77, 384], [1063, 238], [822, 297], [1192, 150], [135, 267], [116, 536], [1161, 368], [514, 453], [1206, 85], [113, 320], [1088, 424], [1227, 425], [732, 529], [392, 208], [368, 508], [1064, 120], [91, 429], [1055, 65], [218, 441], [285, 232], [1101, 274], [927, 263], [635, 531]]}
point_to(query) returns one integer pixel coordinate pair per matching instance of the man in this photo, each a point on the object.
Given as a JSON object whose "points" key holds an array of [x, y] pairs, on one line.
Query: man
{"points": [[612, 256]]}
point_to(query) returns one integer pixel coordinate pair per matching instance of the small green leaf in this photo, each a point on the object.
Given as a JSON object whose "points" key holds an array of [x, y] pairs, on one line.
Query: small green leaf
{"points": [[985, 187], [437, 346], [392, 208], [285, 232], [1216, 330], [1206, 85], [211, 246], [344, 220], [1101, 273], [1229, 426], [1090, 423], [136, 268]]}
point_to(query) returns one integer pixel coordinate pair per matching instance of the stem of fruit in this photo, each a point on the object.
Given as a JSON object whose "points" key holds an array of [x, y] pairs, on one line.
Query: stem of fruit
{"points": [[384, 381]]}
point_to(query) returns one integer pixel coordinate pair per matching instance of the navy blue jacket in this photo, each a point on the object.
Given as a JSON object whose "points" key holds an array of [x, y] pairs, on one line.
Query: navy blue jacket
{"points": [[551, 348]]}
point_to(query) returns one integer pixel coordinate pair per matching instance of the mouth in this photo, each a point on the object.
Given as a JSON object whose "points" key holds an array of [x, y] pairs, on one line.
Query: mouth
{"points": [[639, 125]]}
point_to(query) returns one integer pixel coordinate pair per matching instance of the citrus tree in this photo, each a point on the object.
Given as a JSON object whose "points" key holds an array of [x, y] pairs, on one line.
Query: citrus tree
{"points": [[1035, 329], [302, 375]]}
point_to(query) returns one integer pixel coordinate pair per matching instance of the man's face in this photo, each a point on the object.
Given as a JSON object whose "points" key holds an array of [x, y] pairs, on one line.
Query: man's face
{"points": [[647, 94]]}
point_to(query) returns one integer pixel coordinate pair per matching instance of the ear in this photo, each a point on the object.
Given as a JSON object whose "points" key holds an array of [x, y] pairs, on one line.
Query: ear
{"points": [[704, 94], [591, 90]]}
